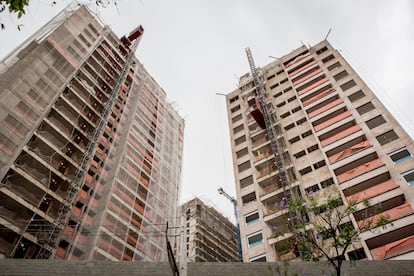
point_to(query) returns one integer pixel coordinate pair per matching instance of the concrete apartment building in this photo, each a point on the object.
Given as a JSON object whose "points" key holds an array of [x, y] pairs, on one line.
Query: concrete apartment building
{"points": [[210, 237], [335, 136], [54, 115]]}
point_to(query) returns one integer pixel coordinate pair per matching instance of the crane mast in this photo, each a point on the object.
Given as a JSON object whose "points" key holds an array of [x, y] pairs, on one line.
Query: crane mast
{"points": [[295, 218]]}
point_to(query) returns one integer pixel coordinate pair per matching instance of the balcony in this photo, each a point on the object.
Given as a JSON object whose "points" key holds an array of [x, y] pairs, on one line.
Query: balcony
{"points": [[372, 191], [359, 170], [393, 249]]}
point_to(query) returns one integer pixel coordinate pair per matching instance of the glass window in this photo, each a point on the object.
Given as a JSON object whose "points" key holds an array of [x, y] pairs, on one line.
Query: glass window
{"points": [[400, 155], [251, 218], [259, 258], [255, 239], [409, 176]]}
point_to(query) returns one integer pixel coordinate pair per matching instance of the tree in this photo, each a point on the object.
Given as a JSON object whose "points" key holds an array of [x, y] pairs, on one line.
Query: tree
{"points": [[330, 232]]}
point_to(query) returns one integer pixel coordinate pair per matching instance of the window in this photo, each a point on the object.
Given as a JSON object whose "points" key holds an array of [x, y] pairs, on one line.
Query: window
{"points": [[232, 100], [409, 176], [287, 89], [294, 139], [280, 72], [244, 166], [310, 190], [291, 99], [328, 58], [251, 217], [240, 140], [356, 96], [321, 50], [387, 137], [281, 104], [292, 125], [242, 153], [246, 181], [301, 121], [376, 121], [259, 258], [249, 198], [365, 108], [283, 81], [270, 77], [255, 239], [284, 115], [305, 170], [348, 85], [278, 94], [319, 164], [296, 109], [341, 75], [238, 129], [307, 133], [400, 155], [299, 154], [333, 66], [234, 109], [274, 86], [313, 148], [237, 118], [327, 183]]}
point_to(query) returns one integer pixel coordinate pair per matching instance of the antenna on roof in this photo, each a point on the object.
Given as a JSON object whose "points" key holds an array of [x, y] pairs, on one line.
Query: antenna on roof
{"points": [[326, 37]]}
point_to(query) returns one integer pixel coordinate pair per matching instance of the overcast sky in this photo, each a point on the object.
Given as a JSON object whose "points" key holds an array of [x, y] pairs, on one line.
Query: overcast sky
{"points": [[195, 49]]}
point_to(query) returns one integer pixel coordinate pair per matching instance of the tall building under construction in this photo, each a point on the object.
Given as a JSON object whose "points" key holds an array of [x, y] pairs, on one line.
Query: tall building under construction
{"points": [[90, 148], [334, 136]]}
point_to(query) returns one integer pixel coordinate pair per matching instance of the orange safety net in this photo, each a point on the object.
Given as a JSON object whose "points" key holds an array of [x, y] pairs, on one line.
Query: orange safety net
{"points": [[373, 191], [349, 151], [332, 120], [359, 170], [320, 95], [298, 58], [300, 69], [340, 135], [313, 85], [393, 248], [325, 107], [391, 214], [62, 52], [307, 76]]}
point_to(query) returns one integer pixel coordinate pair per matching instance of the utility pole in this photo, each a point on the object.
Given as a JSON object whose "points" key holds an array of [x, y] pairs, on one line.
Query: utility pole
{"points": [[183, 248], [236, 215]]}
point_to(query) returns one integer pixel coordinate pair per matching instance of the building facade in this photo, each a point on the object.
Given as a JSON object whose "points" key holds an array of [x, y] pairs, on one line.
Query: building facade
{"points": [[55, 114], [209, 236], [335, 137]]}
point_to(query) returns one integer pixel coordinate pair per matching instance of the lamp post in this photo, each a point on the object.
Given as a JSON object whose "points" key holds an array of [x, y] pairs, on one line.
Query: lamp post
{"points": [[236, 214]]}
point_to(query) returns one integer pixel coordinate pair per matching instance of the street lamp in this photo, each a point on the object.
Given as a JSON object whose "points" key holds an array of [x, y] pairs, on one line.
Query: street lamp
{"points": [[236, 214]]}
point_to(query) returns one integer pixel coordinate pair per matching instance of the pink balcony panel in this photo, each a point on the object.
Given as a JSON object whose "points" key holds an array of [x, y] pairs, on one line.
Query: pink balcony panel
{"points": [[302, 68], [298, 58], [332, 120], [313, 85], [373, 191], [318, 96], [349, 151], [307, 76], [359, 170], [393, 249], [325, 107], [391, 214], [340, 135]]}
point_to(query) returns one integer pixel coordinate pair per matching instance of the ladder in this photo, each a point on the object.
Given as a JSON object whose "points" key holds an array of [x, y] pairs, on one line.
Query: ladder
{"points": [[295, 217], [76, 182]]}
